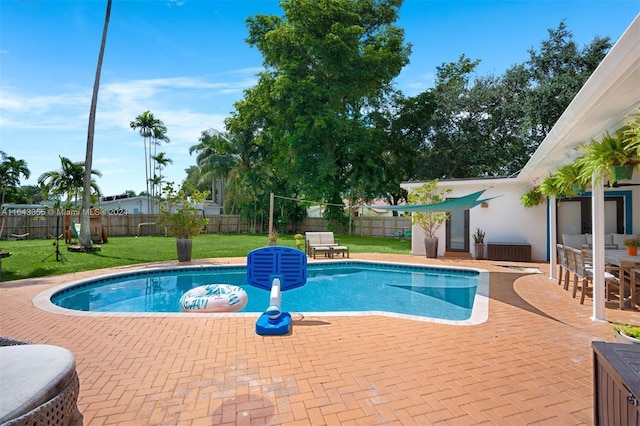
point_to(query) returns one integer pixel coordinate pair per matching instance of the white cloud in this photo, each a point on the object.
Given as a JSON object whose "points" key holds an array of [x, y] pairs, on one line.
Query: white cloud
{"points": [[40, 127]]}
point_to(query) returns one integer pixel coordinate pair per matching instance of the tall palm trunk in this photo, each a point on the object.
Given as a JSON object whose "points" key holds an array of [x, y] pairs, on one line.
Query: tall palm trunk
{"points": [[85, 231], [146, 173]]}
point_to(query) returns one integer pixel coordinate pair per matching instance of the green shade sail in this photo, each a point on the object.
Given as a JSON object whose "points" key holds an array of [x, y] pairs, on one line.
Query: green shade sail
{"points": [[460, 203]]}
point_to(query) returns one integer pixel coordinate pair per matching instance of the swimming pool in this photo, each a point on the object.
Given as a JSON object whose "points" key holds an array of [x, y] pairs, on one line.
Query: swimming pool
{"points": [[455, 295]]}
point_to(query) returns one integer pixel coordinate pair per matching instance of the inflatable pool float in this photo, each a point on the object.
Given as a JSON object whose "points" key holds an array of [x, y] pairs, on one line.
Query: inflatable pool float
{"points": [[214, 298]]}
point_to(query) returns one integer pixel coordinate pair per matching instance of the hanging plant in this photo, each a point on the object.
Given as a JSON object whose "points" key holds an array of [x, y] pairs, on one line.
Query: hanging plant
{"points": [[532, 198], [603, 156], [551, 187], [569, 180], [631, 134]]}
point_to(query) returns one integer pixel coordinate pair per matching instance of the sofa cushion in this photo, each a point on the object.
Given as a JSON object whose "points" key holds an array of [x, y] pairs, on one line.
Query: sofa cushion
{"points": [[618, 239], [574, 240], [32, 375]]}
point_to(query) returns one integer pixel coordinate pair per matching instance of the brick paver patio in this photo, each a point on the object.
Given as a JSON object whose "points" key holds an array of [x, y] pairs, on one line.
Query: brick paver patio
{"points": [[529, 363]]}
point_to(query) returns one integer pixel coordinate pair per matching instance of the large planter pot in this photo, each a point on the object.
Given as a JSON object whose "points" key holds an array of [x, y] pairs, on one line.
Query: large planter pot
{"points": [[479, 251], [184, 249], [431, 247], [621, 338], [632, 250]]}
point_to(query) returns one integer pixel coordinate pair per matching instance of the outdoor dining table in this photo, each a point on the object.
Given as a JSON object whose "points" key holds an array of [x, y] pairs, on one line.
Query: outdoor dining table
{"points": [[626, 263]]}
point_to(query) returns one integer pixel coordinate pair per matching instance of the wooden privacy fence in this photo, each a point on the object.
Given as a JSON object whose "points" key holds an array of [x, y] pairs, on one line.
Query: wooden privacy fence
{"points": [[43, 226], [364, 226]]}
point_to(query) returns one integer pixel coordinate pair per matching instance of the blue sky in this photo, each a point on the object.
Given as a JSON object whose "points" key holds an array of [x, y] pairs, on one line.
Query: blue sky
{"points": [[187, 62]]}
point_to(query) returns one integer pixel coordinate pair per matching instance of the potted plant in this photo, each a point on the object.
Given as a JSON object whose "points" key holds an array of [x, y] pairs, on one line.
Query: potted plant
{"points": [[569, 179], [532, 198], [631, 135], [614, 156], [627, 333], [429, 222], [298, 237], [632, 245], [566, 181], [478, 239], [181, 218]]}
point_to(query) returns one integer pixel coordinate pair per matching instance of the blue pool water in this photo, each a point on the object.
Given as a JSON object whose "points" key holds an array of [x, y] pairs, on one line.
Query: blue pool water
{"points": [[331, 287]]}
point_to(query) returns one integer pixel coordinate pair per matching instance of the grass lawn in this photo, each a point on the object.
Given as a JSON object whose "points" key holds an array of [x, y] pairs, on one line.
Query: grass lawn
{"points": [[37, 258]]}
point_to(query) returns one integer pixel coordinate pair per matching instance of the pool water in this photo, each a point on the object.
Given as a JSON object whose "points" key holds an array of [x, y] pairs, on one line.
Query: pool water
{"points": [[350, 286]]}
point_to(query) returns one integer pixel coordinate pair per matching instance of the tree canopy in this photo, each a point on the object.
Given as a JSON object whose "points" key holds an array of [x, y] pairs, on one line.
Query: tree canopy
{"points": [[324, 122], [67, 181], [328, 64], [10, 171]]}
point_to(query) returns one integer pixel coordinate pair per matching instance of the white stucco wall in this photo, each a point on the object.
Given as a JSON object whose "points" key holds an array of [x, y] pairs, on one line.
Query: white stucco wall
{"points": [[504, 220]]}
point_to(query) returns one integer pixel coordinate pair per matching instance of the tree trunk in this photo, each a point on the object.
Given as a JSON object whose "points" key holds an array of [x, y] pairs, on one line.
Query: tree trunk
{"points": [[85, 229]]}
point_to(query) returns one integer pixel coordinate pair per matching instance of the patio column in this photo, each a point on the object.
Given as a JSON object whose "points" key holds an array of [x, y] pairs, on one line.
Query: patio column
{"points": [[597, 230], [552, 207]]}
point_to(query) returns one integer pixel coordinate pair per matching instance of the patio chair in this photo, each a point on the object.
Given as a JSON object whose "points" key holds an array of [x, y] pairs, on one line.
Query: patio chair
{"points": [[563, 267], [634, 287], [571, 267], [585, 273]]}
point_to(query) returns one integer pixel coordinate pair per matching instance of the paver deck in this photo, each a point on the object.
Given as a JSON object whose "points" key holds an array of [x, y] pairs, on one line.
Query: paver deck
{"points": [[529, 363]]}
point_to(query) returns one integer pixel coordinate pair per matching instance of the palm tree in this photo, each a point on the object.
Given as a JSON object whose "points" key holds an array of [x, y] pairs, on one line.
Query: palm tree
{"points": [[159, 135], [216, 158], [85, 235], [161, 161], [68, 180], [148, 126], [10, 171]]}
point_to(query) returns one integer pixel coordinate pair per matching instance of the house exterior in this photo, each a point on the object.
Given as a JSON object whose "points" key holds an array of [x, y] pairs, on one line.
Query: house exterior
{"points": [[127, 205], [123, 204], [603, 104]]}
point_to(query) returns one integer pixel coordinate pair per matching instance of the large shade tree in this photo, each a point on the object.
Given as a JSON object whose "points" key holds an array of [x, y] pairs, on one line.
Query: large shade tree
{"points": [[314, 126], [556, 72], [490, 126], [327, 63], [404, 123]]}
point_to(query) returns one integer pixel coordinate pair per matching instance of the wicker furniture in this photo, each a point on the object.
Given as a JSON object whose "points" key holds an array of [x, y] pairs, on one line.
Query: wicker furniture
{"points": [[38, 383]]}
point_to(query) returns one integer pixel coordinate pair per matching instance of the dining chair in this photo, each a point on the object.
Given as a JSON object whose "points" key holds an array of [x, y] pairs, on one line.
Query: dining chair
{"points": [[635, 287], [585, 273], [563, 270], [571, 267]]}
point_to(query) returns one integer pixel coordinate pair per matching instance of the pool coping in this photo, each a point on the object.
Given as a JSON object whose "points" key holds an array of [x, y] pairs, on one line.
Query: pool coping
{"points": [[479, 312]]}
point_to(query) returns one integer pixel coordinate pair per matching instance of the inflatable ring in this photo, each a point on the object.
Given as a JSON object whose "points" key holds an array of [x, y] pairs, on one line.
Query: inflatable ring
{"points": [[214, 298]]}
